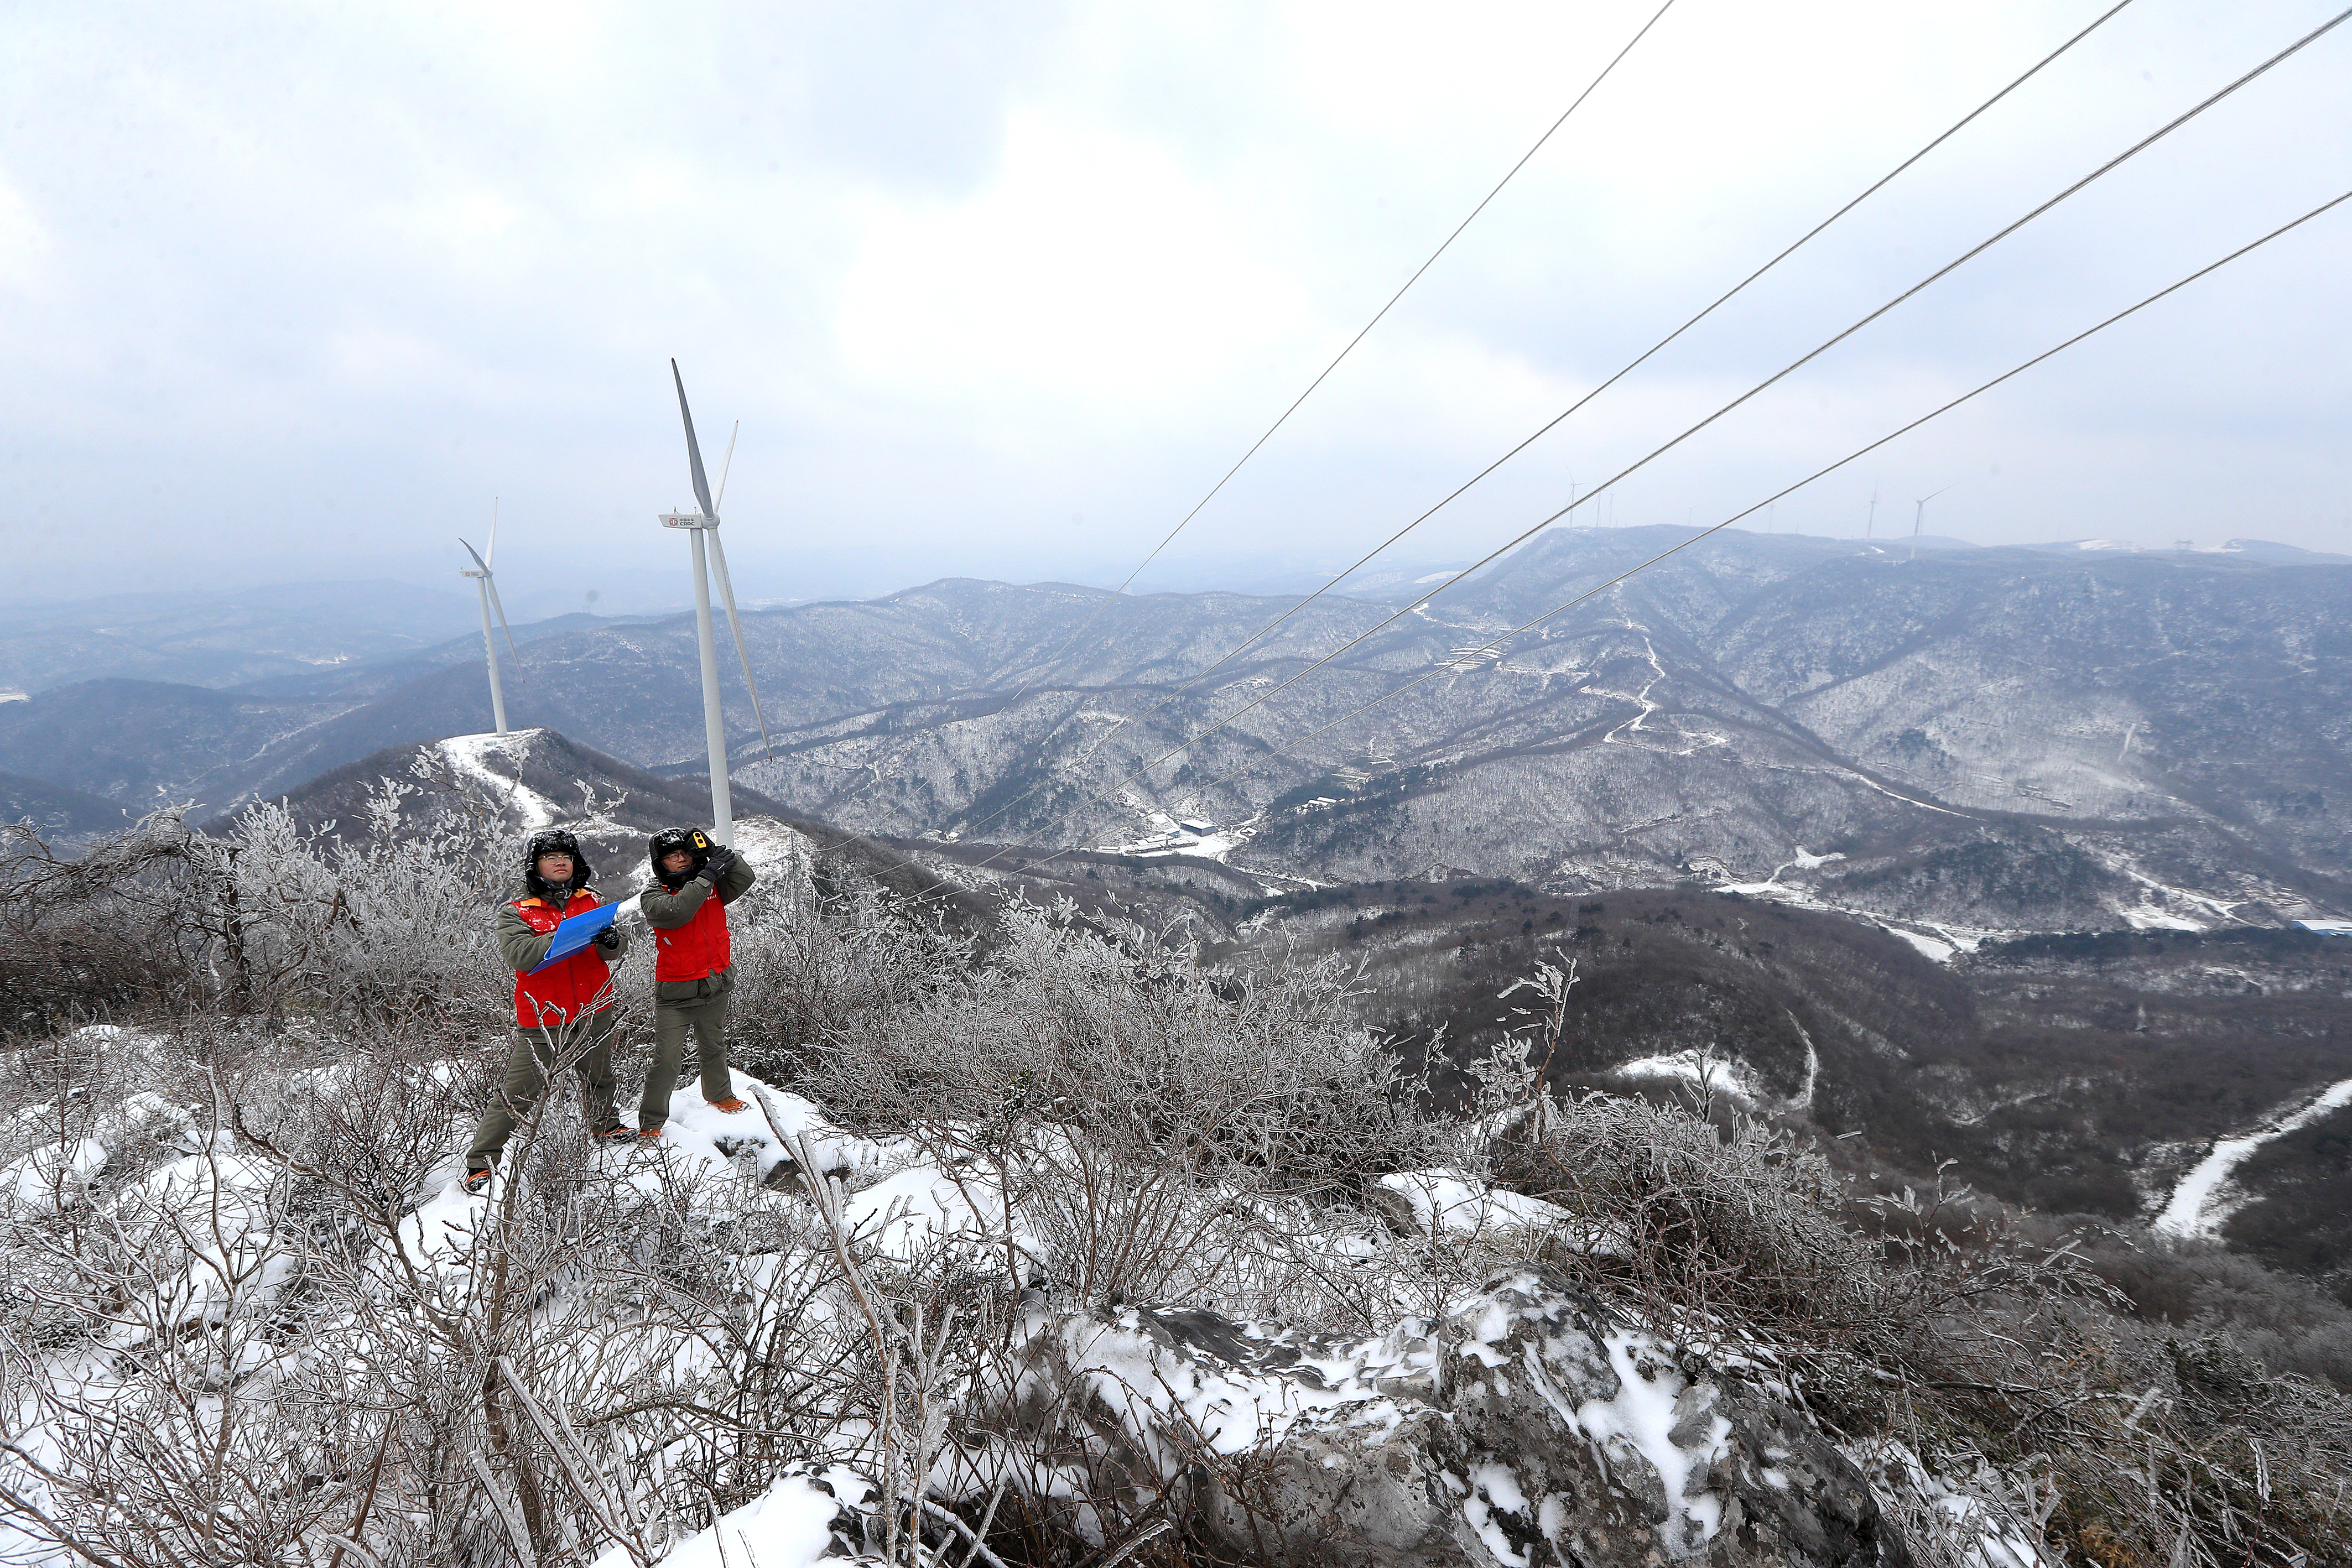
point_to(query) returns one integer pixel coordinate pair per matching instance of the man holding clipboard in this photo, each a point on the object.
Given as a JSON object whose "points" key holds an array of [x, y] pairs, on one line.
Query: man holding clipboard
{"points": [[560, 941]]}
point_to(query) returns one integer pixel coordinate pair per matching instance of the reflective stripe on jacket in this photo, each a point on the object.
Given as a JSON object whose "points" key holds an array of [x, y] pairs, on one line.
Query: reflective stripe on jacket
{"points": [[572, 988]]}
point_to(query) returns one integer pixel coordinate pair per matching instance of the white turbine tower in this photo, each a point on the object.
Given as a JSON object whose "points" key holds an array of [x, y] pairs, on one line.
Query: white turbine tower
{"points": [[704, 525], [1920, 515], [489, 595]]}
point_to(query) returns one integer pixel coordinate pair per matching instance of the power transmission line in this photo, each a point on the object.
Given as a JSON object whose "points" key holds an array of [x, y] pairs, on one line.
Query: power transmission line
{"points": [[1549, 425], [1181, 523], [2109, 166], [1818, 474]]}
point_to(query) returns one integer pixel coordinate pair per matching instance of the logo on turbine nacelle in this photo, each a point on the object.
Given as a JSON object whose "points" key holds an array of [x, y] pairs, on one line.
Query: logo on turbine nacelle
{"points": [[687, 520]]}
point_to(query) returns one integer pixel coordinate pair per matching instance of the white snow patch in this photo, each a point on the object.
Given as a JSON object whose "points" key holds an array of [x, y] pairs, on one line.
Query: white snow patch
{"points": [[1722, 1074], [52, 1179], [1214, 846], [470, 755], [1454, 1203], [1639, 1419], [205, 1224], [702, 1142], [790, 1525], [2198, 1206], [1941, 952]]}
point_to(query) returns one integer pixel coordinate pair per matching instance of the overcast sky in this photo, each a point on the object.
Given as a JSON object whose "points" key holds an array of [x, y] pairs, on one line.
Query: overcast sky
{"points": [[293, 291]]}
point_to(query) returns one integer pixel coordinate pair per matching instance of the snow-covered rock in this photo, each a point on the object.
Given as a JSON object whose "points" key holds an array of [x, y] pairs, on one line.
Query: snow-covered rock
{"points": [[1528, 1427]]}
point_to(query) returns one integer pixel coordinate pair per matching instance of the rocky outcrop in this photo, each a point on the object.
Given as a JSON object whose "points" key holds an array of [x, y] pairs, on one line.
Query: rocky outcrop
{"points": [[1530, 1427]]}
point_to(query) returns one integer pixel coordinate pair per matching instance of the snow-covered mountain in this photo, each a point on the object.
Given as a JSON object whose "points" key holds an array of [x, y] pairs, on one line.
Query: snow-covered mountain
{"points": [[1981, 740]]}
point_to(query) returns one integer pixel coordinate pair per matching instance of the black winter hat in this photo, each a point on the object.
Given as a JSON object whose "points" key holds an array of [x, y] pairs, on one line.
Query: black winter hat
{"points": [[693, 841], [554, 841]]}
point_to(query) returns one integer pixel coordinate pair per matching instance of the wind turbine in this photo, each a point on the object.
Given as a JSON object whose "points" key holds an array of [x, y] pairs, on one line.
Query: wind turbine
{"points": [[1919, 515], [489, 595], [703, 525]]}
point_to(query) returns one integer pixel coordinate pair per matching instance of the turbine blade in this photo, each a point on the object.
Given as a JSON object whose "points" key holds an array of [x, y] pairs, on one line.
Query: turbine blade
{"points": [[477, 557], [494, 535], [727, 463], [693, 449], [491, 589], [735, 624]]}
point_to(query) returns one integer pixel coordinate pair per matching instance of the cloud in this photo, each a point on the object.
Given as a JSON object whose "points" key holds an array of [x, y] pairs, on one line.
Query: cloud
{"points": [[967, 274]]}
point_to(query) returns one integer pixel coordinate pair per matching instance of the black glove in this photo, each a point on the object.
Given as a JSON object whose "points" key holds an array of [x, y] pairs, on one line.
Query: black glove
{"points": [[608, 939], [721, 862]]}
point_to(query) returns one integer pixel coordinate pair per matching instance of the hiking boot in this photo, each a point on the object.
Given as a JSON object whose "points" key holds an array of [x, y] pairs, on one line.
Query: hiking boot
{"points": [[476, 1183], [615, 1134], [730, 1104], [646, 1133]]}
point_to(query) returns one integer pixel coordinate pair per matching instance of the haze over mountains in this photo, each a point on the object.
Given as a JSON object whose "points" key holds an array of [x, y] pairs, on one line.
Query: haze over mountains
{"points": [[1977, 739]]}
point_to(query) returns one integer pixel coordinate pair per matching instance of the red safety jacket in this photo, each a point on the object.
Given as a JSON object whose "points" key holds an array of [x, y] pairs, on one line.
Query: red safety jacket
{"points": [[695, 950], [573, 987]]}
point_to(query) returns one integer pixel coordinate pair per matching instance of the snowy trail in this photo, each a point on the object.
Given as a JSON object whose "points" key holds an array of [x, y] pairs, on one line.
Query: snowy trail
{"points": [[469, 754], [2195, 1209]]}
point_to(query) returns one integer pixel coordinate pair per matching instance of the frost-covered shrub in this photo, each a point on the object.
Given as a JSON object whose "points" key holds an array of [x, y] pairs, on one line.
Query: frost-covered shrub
{"points": [[386, 921], [1133, 1041], [1157, 1118], [381, 919], [809, 981], [1712, 1213]]}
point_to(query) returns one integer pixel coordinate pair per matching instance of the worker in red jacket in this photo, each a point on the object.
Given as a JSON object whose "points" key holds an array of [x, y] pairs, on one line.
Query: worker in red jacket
{"points": [[563, 1012], [694, 965]]}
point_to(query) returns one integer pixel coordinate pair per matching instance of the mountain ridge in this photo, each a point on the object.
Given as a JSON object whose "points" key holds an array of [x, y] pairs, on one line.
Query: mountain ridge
{"points": [[1995, 740]]}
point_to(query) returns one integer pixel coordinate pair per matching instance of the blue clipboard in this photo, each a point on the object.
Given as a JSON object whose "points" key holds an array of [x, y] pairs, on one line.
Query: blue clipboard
{"points": [[581, 929]]}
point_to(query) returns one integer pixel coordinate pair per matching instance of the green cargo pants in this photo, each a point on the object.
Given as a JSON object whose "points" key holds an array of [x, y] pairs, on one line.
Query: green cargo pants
{"points": [[529, 1057], [706, 1016]]}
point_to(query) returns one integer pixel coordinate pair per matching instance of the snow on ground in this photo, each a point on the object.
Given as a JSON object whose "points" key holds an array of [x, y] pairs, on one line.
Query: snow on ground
{"points": [[2141, 920], [788, 1526], [1170, 1396], [2163, 906], [2202, 1202], [1720, 1074], [52, 1179], [1213, 846], [1928, 946], [1460, 1204], [898, 1201], [1455, 1204], [469, 756], [1941, 948]]}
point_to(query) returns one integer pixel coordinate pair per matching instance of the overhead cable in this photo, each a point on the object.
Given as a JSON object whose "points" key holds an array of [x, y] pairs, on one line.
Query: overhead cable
{"points": [[1632, 365], [1778, 376], [1181, 523], [1460, 656]]}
